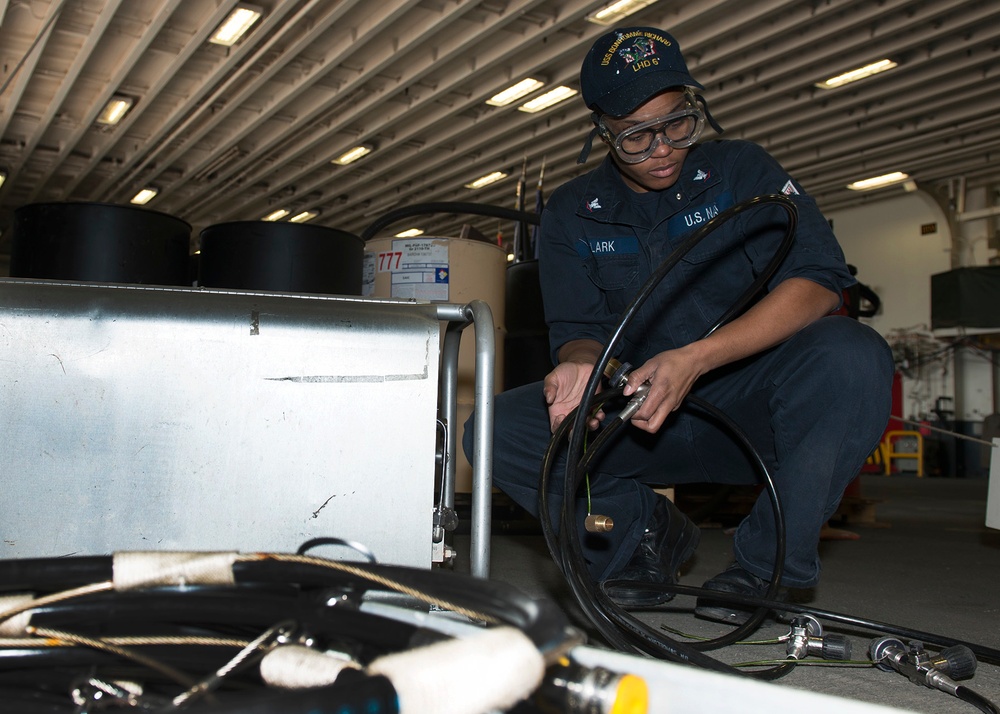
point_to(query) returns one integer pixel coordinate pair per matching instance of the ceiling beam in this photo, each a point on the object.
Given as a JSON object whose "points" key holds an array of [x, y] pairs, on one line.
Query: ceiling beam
{"points": [[80, 58], [86, 122]]}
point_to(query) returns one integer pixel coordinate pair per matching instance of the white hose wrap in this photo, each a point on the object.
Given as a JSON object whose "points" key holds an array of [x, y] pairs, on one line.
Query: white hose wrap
{"points": [[298, 667], [479, 674], [146, 569], [15, 626]]}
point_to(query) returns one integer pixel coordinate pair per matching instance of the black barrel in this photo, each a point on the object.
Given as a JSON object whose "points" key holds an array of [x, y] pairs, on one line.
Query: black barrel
{"points": [[526, 346], [99, 242], [281, 257]]}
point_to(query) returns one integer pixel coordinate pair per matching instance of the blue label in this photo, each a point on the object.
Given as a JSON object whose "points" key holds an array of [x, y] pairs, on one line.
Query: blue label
{"points": [[694, 217], [622, 245]]}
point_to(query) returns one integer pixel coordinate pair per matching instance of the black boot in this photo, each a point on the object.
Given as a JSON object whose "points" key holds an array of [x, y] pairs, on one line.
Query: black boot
{"points": [[669, 541], [737, 581]]}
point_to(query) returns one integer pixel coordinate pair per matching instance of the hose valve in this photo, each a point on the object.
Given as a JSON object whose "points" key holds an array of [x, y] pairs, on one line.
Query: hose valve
{"points": [[806, 639], [617, 374], [914, 662]]}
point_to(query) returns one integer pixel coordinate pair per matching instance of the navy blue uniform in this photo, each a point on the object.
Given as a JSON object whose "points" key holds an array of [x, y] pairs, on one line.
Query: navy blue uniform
{"points": [[815, 406]]}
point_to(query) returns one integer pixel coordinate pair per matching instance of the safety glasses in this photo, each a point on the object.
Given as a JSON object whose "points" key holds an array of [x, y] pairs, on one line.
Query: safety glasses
{"points": [[678, 130]]}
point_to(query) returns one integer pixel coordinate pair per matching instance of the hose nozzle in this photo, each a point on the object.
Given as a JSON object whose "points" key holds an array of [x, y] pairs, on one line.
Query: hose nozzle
{"points": [[598, 524]]}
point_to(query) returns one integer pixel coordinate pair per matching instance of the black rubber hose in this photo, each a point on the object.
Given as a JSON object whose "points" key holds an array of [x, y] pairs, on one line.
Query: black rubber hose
{"points": [[352, 692], [267, 589], [661, 643], [620, 630], [579, 428], [624, 633], [595, 603], [976, 699], [575, 448], [774, 585], [540, 619], [46, 575], [53, 667], [609, 619], [215, 611], [16, 699], [548, 462], [476, 209]]}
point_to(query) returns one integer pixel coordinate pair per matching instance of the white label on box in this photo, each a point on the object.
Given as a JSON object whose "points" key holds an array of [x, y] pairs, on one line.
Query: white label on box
{"points": [[419, 268]]}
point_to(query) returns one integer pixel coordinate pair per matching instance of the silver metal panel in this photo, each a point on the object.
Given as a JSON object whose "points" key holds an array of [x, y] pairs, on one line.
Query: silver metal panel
{"points": [[172, 418], [993, 490]]}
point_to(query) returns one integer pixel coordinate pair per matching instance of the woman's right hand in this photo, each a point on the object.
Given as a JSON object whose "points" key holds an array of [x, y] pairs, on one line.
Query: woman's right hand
{"points": [[563, 388]]}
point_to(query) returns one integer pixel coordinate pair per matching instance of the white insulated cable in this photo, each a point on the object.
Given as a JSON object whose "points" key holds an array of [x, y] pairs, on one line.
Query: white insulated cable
{"points": [[299, 667], [145, 569], [483, 673], [15, 626]]}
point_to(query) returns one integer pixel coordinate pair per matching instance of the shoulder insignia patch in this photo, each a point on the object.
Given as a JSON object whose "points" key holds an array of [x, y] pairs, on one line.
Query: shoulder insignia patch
{"points": [[789, 188]]}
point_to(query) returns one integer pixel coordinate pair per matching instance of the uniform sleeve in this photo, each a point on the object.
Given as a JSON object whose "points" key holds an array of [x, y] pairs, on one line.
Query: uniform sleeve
{"points": [[815, 253], [575, 308]]}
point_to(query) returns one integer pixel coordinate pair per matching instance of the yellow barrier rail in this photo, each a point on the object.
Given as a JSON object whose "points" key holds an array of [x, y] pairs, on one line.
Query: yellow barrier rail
{"points": [[889, 451]]}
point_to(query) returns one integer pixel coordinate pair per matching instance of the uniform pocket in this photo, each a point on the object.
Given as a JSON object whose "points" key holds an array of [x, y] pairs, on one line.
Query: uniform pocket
{"points": [[613, 272], [709, 248], [617, 276]]}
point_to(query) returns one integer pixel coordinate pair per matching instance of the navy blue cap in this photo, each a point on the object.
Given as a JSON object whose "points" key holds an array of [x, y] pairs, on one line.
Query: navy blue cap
{"points": [[627, 66]]}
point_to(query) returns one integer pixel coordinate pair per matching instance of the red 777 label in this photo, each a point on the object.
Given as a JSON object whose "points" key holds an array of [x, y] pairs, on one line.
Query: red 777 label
{"points": [[389, 260]]}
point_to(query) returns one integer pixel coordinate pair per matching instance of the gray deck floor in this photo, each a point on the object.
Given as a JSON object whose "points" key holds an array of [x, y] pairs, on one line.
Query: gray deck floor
{"points": [[926, 562]]}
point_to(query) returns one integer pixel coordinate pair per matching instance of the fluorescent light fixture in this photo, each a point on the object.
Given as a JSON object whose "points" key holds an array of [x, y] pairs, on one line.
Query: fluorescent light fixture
{"points": [[303, 217], [236, 25], [276, 215], [3, 177], [878, 181], [353, 155], [515, 92], [114, 110], [410, 233], [855, 74], [613, 12], [544, 101], [144, 196], [487, 179]]}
